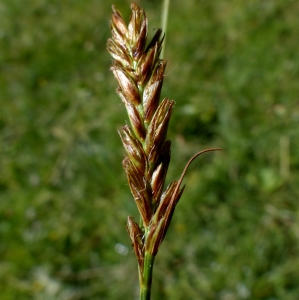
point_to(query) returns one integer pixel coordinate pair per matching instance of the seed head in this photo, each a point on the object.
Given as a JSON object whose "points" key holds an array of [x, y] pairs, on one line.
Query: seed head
{"points": [[140, 72]]}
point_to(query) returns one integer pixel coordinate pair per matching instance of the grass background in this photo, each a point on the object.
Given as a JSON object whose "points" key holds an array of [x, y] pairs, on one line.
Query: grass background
{"points": [[233, 69]]}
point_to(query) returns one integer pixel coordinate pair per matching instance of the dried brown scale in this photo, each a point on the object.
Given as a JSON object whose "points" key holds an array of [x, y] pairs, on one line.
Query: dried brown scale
{"points": [[140, 73], [157, 130], [127, 85], [140, 189], [137, 31], [155, 237], [134, 149], [117, 19], [119, 55], [149, 58], [166, 202], [159, 175], [152, 91], [136, 121], [136, 236]]}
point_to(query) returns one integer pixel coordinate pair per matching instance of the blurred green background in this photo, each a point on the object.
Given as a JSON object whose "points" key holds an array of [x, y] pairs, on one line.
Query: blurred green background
{"points": [[233, 69]]}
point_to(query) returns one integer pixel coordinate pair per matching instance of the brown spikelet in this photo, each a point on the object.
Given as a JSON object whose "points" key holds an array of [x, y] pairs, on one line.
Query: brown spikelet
{"points": [[136, 236], [140, 72]]}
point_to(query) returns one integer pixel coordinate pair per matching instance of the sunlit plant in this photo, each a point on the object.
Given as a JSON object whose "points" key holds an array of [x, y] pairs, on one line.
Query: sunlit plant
{"points": [[139, 70]]}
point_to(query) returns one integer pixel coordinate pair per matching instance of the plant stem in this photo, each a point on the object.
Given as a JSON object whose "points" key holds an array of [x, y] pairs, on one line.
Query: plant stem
{"points": [[146, 284], [164, 23]]}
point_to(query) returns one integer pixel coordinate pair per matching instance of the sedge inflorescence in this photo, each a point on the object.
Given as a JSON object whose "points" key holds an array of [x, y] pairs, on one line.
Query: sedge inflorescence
{"points": [[140, 72]]}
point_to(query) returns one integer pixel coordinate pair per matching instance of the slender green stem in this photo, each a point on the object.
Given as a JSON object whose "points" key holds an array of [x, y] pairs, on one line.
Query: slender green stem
{"points": [[164, 24], [146, 284]]}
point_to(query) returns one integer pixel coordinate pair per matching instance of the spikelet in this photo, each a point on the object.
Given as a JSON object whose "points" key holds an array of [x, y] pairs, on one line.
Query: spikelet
{"points": [[140, 73]]}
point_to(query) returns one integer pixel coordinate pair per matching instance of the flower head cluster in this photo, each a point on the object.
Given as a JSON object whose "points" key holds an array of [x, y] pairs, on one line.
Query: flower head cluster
{"points": [[140, 72]]}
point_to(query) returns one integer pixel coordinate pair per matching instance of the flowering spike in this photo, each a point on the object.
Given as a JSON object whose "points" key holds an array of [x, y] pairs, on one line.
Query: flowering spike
{"points": [[140, 72]]}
